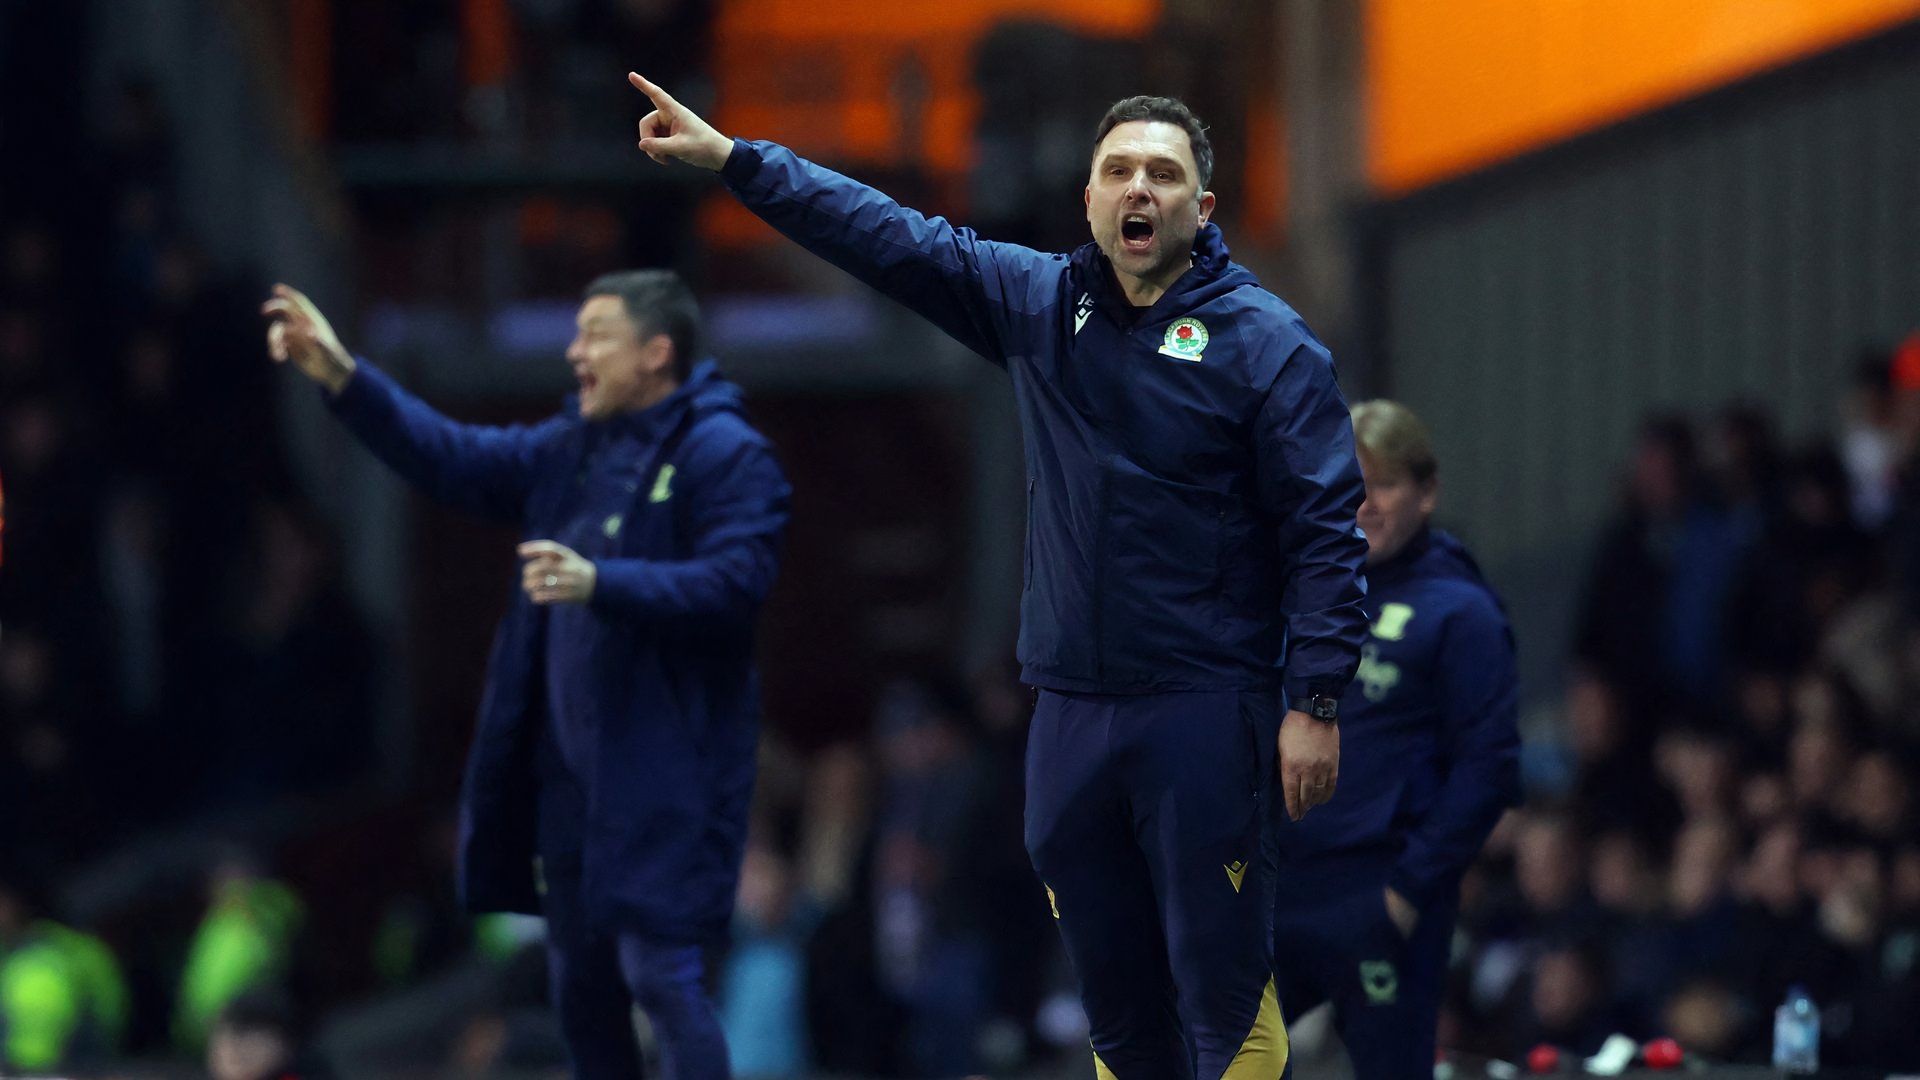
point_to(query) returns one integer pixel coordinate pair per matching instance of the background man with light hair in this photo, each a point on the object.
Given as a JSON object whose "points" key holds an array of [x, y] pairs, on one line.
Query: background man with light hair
{"points": [[1364, 910]]}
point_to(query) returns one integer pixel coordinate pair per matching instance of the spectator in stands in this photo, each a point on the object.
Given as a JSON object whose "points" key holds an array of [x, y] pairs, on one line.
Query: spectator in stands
{"points": [[1710, 1020], [1628, 890], [1697, 765], [1743, 464], [1799, 573], [1565, 1002], [245, 942], [930, 929], [1778, 940], [257, 1037], [1869, 441], [63, 1000], [1549, 868], [763, 995], [1700, 904], [1611, 760], [1650, 614], [1877, 798], [1822, 748]]}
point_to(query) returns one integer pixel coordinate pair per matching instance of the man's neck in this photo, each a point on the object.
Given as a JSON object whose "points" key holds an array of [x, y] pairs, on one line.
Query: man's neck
{"points": [[1145, 292]]}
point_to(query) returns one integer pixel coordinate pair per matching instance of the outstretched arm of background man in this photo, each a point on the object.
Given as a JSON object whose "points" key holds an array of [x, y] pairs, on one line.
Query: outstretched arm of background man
{"points": [[486, 470], [973, 289]]}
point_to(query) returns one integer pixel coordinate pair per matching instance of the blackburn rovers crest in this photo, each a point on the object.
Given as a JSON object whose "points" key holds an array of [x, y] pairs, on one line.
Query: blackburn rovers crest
{"points": [[1186, 339]]}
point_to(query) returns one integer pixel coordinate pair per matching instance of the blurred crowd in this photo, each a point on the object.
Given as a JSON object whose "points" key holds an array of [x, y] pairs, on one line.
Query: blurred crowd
{"points": [[176, 649], [165, 587], [1728, 808]]}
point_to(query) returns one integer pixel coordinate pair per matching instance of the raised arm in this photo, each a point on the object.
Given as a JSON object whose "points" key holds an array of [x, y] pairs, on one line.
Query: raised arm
{"points": [[485, 470], [975, 290]]}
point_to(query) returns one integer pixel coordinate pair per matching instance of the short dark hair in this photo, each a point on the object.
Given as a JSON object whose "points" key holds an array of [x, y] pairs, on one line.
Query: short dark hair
{"points": [[1170, 110], [658, 302]]}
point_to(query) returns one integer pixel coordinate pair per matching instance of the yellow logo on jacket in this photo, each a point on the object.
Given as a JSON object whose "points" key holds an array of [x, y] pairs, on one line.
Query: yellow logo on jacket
{"points": [[1377, 677], [1392, 623], [662, 485]]}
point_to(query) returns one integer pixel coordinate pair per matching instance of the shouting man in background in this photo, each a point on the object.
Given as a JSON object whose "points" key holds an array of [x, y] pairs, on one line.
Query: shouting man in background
{"points": [[613, 760]]}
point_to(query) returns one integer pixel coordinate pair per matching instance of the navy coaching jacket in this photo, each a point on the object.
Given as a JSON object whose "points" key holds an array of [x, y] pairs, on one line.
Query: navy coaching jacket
{"points": [[1190, 472], [1434, 754], [680, 507]]}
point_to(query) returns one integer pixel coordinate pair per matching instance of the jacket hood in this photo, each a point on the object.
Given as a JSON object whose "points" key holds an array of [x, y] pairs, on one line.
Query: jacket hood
{"points": [[707, 390]]}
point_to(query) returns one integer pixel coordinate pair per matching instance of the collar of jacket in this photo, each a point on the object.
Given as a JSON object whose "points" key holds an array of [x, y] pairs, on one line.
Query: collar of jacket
{"points": [[705, 388], [1431, 553], [1212, 274], [1397, 565]]}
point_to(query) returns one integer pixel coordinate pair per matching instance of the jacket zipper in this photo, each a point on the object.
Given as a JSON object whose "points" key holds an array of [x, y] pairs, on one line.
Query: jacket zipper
{"points": [[1027, 580], [1099, 579]]}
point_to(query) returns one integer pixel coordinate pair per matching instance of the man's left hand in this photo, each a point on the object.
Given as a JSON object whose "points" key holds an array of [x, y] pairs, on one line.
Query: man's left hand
{"points": [[1309, 752], [555, 573]]}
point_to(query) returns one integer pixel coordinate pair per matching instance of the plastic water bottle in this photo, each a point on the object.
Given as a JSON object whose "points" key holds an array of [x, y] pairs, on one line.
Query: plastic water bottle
{"points": [[1796, 1033]]}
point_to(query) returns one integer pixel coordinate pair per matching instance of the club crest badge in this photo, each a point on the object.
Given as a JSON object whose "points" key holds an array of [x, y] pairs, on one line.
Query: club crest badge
{"points": [[1186, 339]]}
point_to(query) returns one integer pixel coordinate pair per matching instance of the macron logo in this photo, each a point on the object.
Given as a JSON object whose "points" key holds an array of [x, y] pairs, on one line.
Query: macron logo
{"points": [[1080, 312]]}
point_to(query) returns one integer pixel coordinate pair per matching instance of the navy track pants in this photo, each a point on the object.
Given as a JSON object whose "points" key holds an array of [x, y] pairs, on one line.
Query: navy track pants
{"points": [[595, 977], [1335, 942], [1147, 820]]}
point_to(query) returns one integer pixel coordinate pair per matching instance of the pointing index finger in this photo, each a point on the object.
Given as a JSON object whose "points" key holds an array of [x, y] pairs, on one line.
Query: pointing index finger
{"points": [[660, 98]]}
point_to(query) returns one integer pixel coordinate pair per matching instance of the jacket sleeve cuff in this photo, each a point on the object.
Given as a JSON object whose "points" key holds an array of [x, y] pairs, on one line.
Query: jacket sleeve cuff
{"points": [[620, 586], [365, 382], [367, 395], [1301, 689], [742, 162]]}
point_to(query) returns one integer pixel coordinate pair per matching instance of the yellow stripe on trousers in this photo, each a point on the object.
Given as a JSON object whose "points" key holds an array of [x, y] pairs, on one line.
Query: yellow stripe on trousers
{"points": [[1262, 1054]]}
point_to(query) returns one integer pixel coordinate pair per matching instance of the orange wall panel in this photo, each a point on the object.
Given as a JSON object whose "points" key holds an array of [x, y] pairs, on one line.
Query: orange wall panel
{"points": [[864, 83], [1459, 84]]}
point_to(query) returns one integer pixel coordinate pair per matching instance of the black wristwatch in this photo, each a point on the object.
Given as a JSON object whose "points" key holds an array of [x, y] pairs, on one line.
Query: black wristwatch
{"points": [[1324, 708]]}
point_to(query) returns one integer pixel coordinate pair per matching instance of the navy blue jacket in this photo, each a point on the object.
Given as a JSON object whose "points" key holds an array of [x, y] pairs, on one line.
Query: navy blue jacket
{"points": [[680, 507], [1431, 749], [1190, 473]]}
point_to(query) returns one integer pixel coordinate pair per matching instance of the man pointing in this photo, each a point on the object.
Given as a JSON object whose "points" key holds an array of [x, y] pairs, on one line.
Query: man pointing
{"points": [[1192, 603]]}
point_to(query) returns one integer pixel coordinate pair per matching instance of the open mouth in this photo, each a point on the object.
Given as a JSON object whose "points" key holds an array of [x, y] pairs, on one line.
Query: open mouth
{"points": [[1136, 232], [587, 382]]}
